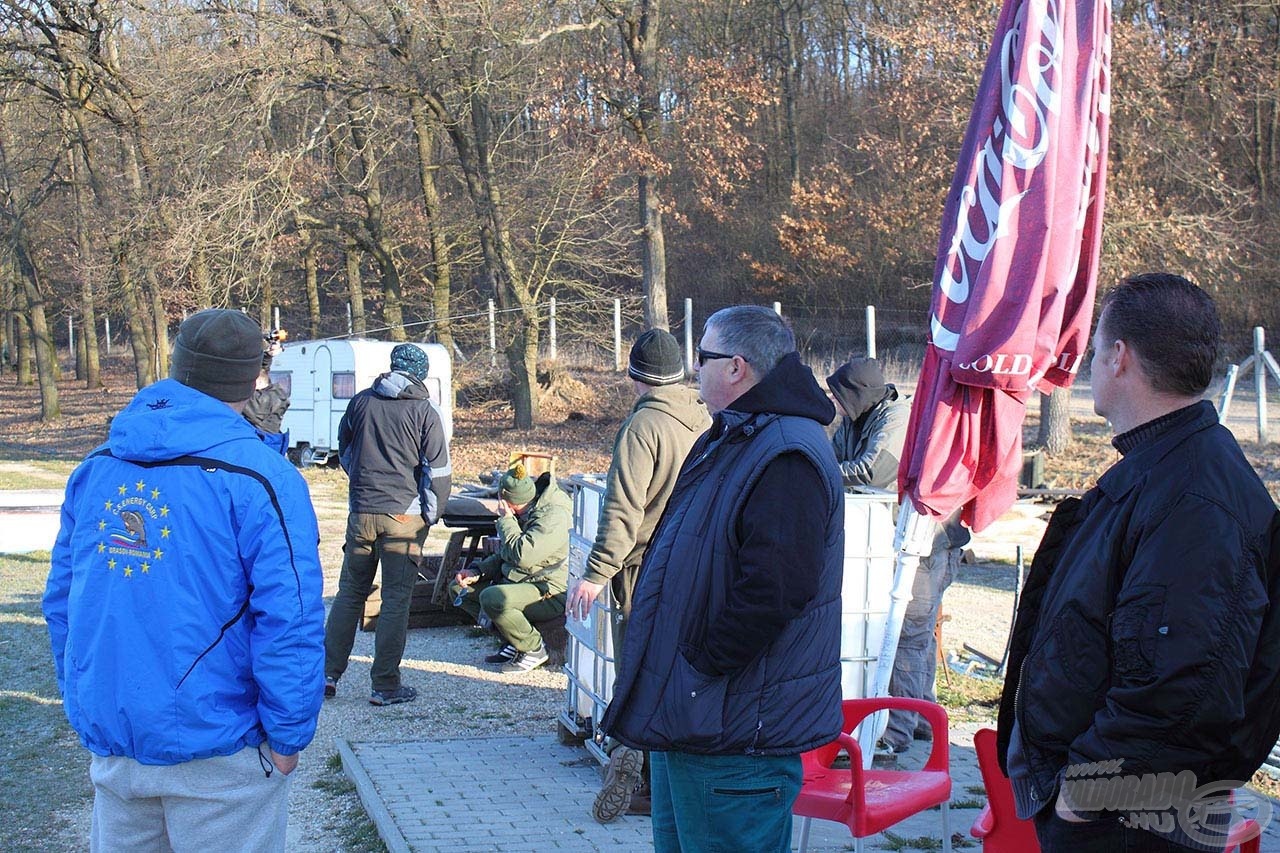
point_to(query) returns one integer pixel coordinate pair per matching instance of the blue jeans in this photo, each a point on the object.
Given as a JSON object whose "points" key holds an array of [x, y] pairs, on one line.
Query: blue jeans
{"points": [[730, 803]]}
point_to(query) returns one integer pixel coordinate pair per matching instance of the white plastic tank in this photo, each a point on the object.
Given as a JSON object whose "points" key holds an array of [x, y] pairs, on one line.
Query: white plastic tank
{"points": [[868, 581]]}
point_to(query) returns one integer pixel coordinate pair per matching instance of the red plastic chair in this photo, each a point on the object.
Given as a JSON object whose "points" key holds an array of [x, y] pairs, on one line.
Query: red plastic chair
{"points": [[998, 825], [1001, 831], [871, 801]]}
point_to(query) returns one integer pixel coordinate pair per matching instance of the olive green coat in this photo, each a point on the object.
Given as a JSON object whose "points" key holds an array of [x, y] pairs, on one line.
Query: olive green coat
{"points": [[533, 547]]}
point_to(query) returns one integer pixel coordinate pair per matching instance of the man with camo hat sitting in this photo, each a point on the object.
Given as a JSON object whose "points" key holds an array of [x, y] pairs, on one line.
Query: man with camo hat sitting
{"points": [[525, 581]]}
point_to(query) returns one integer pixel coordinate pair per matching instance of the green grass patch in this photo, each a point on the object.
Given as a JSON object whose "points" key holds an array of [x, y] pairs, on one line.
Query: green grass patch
{"points": [[39, 752], [35, 474], [347, 816], [893, 841], [967, 698]]}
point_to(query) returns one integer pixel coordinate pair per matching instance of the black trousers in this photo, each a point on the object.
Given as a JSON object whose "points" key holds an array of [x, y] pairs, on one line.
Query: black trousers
{"points": [[1104, 835]]}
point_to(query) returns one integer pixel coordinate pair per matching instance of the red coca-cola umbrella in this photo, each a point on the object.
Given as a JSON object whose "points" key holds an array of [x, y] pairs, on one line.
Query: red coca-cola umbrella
{"points": [[1014, 281]]}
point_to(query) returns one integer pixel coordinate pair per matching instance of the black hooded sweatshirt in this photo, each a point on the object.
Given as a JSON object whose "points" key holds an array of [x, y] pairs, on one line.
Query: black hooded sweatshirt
{"points": [[774, 529]]}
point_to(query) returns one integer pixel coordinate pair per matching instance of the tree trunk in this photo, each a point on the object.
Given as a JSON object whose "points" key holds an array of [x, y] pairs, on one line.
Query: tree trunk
{"points": [[88, 367], [6, 319], [441, 280], [653, 254], [1055, 421], [788, 25], [312, 284], [161, 319], [22, 337], [355, 290], [522, 357], [392, 316], [46, 356], [136, 323], [641, 38]]}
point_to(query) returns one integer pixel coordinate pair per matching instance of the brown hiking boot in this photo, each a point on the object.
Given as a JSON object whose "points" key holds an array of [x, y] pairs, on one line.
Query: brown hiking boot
{"points": [[620, 781], [640, 805]]}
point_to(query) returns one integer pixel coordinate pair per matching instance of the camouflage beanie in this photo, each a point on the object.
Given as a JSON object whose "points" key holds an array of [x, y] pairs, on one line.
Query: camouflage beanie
{"points": [[409, 359]]}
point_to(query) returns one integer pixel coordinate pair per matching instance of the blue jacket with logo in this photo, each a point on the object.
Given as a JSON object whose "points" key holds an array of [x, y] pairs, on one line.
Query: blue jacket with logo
{"points": [[706, 669], [184, 599]]}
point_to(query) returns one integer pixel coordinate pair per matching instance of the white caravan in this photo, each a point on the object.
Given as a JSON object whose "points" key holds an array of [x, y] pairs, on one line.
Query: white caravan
{"points": [[322, 376]]}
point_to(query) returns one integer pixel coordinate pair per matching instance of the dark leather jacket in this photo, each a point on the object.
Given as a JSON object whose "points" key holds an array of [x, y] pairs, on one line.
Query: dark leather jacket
{"points": [[1145, 632]]}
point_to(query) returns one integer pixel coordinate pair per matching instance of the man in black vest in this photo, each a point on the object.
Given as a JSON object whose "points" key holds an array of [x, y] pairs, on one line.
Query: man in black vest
{"points": [[1144, 671], [731, 664]]}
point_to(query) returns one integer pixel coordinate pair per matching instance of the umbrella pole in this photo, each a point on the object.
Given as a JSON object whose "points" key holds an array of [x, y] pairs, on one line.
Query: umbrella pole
{"points": [[913, 540]]}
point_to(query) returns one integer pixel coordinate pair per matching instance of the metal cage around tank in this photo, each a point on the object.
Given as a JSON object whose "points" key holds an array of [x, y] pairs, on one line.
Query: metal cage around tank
{"points": [[590, 658]]}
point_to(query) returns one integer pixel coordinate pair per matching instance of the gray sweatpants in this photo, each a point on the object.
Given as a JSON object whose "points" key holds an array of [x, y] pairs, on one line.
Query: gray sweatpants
{"points": [[223, 803]]}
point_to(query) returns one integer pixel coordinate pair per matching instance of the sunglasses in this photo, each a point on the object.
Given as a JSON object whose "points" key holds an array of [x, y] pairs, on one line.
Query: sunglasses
{"points": [[705, 355]]}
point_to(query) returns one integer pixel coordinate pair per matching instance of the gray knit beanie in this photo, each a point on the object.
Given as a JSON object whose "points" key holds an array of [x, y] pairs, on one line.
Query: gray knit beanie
{"points": [[219, 352], [655, 359]]}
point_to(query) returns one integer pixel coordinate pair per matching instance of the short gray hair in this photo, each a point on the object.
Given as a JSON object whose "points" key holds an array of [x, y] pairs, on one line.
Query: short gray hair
{"points": [[754, 332]]}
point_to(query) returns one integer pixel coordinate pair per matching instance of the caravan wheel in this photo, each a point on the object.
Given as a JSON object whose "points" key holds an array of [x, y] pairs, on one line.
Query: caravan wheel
{"points": [[294, 454]]}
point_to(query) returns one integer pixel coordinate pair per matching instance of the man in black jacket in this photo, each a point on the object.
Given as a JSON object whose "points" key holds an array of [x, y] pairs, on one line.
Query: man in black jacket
{"points": [[391, 443], [1143, 674]]}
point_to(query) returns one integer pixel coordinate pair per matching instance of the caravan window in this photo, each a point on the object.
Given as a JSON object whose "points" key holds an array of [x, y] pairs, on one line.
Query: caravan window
{"points": [[283, 378], [344, 386]]}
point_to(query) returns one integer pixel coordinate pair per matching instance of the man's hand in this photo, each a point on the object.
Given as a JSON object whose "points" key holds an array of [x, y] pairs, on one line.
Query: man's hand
{"points": [[504, 508], [284, 763], [466, 577], [584, 593]]}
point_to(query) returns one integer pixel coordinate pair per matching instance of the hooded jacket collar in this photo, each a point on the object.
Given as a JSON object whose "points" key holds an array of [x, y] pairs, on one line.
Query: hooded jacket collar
{"points": [[789, 389], [679, 401], [399, 386], [167, 420]]}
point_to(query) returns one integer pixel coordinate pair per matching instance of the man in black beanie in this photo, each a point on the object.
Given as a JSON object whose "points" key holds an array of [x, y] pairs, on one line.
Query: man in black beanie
{"points": [[184, 609], [391, 443], [648, 450]]}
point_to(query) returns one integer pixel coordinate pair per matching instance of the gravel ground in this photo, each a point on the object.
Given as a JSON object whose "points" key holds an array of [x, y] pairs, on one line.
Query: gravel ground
{"points": [[458, 693]]}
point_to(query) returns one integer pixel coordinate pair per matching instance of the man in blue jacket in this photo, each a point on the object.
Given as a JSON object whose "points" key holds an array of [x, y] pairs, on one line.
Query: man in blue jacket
{"points": [[184, 609], [1144, 671], [731, 664], [392, 444]]}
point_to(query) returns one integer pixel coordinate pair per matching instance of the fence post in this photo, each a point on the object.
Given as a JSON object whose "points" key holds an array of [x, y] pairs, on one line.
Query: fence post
{"points": [[551, 329], [275, 317], [71, 338], [1260, 380], [1228, 389], [350, 326], [493, 337], [871, 331], [106, 326], [617, 334], [688, 337], [777, 308]]}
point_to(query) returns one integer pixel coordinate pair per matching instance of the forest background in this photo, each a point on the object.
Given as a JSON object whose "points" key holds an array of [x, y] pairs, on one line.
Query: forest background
{"points": [[390, 167]]}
